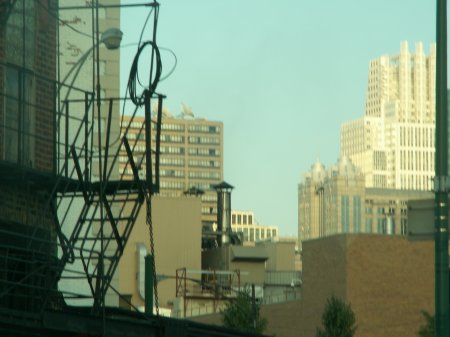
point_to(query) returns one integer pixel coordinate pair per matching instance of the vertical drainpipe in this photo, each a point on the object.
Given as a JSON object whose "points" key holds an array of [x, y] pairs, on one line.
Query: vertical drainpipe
{"points": [[149, 284]]}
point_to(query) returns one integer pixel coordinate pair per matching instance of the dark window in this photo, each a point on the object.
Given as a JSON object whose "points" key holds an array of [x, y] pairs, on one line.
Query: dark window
{"points": [[19, 117]]}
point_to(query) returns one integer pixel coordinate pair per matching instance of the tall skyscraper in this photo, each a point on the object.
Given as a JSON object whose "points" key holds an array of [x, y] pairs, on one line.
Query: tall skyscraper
{"points": [[191, 157], [393, 143]]}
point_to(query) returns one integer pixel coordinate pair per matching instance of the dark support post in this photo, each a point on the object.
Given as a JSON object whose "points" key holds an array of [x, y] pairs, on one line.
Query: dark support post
{"points": [[108, 133], [56, 131], [148, 140], [158, 142], [441, 193], [254, 306], [149, 285], [66, 141], [86, 136]]}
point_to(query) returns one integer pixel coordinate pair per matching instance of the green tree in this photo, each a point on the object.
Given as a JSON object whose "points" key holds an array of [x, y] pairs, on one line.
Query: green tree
{"points": [[338, 319], [243, 315], [427, 330]]}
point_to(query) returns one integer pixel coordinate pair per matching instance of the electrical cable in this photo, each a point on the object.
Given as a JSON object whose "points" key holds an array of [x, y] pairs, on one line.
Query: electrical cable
{"points": [[142, 33], [132, 89], [139, 43], [143, 27], [174, 66]]}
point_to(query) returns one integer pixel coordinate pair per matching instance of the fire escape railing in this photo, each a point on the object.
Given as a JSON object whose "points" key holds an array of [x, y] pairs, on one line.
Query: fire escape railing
{"points": [[72, 195]]}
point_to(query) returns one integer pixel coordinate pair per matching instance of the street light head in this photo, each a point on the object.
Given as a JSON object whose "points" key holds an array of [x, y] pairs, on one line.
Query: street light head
{"points": [[112, 38]]}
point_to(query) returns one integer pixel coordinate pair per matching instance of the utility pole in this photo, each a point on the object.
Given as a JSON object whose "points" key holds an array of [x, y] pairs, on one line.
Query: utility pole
{"points": [[440, 184]]}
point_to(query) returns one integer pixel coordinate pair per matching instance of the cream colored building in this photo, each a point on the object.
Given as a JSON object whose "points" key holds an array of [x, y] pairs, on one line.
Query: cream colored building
{"points": [[77, 65], [244, 222], [335, 200], [393, 143], [191, 156]]}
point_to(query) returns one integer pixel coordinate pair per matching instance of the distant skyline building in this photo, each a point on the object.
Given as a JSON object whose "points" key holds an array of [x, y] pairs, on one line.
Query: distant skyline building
{"points": [[191, 157], [393, 143], [244, 222], [336, 200]]}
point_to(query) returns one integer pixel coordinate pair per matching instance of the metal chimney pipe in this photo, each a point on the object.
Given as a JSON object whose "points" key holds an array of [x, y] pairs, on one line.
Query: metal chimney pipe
{"points": [[223, 212]]}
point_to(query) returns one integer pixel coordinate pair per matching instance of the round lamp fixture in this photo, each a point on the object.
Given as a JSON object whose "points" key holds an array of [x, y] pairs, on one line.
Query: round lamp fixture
{"points": [[112, 38]]}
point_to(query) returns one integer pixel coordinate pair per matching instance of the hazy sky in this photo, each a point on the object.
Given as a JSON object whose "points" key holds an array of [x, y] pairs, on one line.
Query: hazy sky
{"points": [[282, 76]]}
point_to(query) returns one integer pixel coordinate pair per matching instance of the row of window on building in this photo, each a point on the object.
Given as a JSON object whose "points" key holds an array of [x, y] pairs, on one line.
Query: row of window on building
{"points": [[416, 182], [384, 225], [191, 174], [416, 160], [191, 151], [241, 219], [255, 233], [140, 137], [417, 137], [174, 127]]}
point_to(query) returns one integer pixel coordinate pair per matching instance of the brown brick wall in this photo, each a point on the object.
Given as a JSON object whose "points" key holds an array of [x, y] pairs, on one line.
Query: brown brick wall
{"points": [[390, 280], [387, 280], [45, 66], [2, 89], [25, 207], [24, 213], [45, 72]]}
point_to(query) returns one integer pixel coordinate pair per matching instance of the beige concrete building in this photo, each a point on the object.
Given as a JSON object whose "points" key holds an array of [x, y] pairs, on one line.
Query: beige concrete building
{"points": [[244, 222], [335, 200], [393, 143], [191, 156], [192, 282], [170, 215]]}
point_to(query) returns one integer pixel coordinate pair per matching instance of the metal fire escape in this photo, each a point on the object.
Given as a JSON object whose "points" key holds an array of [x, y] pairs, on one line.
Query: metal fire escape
{"points": [[98, 241], [109, 202], [88, 206]]}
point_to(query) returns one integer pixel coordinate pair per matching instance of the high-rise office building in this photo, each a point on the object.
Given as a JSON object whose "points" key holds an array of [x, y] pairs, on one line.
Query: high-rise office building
{"points": [[191, 158], [336, 200], [393, 143]]}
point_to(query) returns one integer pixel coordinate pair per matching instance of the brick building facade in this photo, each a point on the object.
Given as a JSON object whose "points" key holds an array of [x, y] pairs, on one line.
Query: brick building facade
{"points": [[388, 280], [27, 147]]}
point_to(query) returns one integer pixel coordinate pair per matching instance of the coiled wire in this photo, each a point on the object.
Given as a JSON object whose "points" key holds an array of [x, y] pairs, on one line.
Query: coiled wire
{"points": [[133, 79]]}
